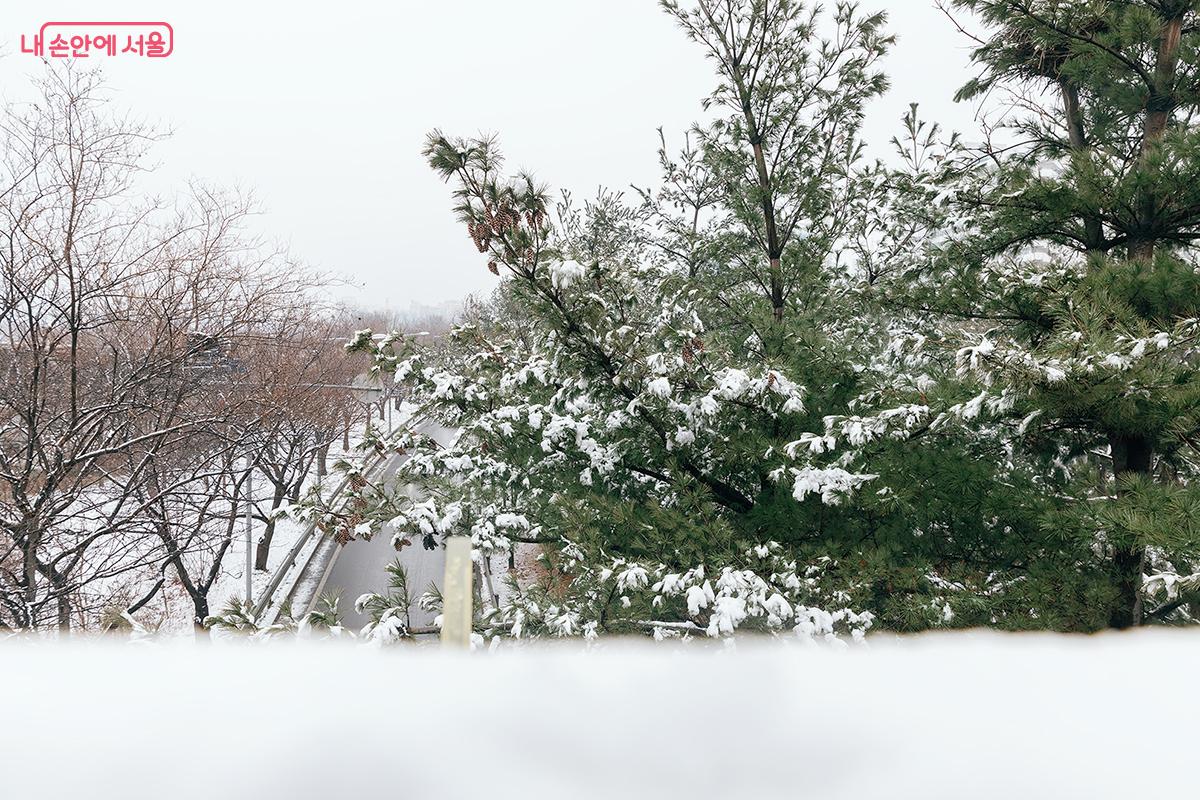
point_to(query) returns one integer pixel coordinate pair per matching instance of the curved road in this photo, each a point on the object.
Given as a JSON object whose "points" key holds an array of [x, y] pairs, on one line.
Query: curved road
{"points": [[359, 567]]}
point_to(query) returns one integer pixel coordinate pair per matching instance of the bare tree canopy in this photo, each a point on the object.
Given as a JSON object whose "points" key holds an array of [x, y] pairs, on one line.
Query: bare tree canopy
{"points": [[149, 349]]}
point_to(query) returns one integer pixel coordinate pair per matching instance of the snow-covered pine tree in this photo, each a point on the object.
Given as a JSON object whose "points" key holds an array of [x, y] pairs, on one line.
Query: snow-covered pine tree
{"points": [[1069, 258], [691, 404]]}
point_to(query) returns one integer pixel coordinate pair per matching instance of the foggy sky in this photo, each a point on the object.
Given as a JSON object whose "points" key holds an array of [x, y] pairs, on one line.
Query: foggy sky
{"points": [[320, 110]]}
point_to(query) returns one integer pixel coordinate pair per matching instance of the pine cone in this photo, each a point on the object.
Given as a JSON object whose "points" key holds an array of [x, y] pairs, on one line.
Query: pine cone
{"points": [[493, 268], [480, 235], [509, 219]]}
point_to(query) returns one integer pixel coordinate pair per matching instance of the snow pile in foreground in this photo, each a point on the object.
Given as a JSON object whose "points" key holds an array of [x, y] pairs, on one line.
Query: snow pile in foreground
{"points": [[952, 716]]}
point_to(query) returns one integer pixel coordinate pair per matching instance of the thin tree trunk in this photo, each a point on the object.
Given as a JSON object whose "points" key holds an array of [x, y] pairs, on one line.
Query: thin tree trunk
{"points": [[263, 552], [738, 76]]}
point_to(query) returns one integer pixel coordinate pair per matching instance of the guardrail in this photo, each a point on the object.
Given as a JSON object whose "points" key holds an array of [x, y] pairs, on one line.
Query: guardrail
{"points": [[263, 603]]}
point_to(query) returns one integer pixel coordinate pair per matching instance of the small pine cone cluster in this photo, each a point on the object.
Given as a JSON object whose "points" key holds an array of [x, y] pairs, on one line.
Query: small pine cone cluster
{"points": [[692, 348], [505, 219], [496, 222], [346, 531], [481, 235]]}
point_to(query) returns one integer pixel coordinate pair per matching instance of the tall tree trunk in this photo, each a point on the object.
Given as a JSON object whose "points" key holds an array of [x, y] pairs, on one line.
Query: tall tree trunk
{"points": [[1093, 230], [774, 245], [1131, 455], [1158, 114], [200, 607], [64, 610], [30, 573], [1161, 102]]}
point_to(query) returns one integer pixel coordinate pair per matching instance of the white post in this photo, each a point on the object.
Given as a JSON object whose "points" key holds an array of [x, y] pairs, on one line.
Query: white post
{"points": [[249, 531], [457, 594]]}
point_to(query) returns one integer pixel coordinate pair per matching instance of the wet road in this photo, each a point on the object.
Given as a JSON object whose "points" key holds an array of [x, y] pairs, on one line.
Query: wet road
{"points": [[359, 567]]}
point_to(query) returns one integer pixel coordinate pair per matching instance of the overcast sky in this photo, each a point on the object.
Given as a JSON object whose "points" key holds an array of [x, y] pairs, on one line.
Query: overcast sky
{"points": [[321, 109]]}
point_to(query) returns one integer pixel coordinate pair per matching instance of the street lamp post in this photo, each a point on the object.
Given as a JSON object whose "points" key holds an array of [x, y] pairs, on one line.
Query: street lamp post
{"points": [[249, 531]]}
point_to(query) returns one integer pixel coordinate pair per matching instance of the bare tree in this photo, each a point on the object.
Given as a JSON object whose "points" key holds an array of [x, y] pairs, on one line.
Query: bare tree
{"points": [[190, 502], [307, 398], [113, 312]]}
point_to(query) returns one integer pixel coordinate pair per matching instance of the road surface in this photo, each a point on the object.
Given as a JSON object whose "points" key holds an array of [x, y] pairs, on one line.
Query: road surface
{"points": [[359, 567]]}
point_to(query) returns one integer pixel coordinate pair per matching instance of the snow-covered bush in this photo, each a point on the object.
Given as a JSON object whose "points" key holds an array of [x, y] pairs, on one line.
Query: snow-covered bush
{"points": [[772, 595]]}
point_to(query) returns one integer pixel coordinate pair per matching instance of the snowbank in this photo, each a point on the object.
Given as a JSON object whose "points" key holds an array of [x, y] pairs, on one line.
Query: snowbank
{"points": [[955, 716]]}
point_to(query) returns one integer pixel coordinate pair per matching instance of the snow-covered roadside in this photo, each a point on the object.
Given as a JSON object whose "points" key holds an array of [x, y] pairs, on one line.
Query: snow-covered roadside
{"points": [[175, 608], [948, 716]]}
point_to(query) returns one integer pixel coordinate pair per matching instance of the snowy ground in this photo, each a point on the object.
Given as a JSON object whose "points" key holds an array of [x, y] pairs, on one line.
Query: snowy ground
{"points": [[950, 716], [174, 608]]}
